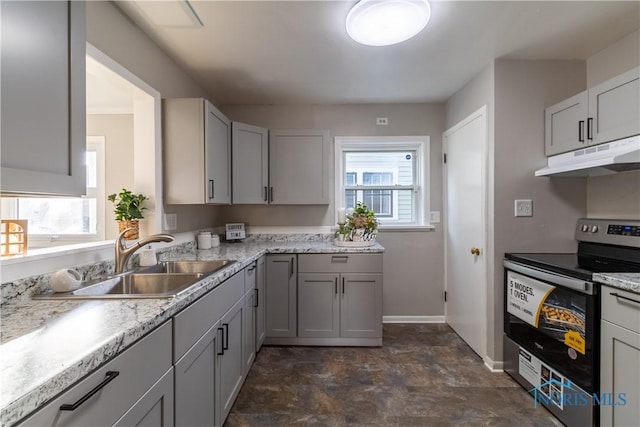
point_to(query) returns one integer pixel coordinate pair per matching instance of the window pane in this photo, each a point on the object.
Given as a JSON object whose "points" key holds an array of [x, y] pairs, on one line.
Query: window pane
{"points": [[350, 199], [380, 201], [59, 216], [390, 167], [352, 178], [91, 160]]}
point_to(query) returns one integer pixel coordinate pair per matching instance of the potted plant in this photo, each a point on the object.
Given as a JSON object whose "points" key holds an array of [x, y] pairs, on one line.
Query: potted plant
{"points": [[360, 228], [128, 210]]}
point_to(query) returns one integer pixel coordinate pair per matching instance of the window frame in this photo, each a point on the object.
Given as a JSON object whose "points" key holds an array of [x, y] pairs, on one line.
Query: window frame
{"points": [[419, 144]]}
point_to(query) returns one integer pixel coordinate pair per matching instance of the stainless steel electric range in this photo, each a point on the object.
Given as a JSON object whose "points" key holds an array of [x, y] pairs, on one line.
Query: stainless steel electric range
{"points": [[552, 317]]}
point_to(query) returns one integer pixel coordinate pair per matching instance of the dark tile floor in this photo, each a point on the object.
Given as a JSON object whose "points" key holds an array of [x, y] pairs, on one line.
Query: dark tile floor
{"points": [[424, 375]]}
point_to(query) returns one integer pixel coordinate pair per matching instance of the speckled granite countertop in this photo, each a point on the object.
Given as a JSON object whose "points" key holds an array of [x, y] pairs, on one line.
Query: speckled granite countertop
{"points": [[46, 346], [626, 281]]}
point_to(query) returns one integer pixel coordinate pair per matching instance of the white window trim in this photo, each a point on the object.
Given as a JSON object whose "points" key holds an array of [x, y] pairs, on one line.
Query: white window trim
{"points": [[420, 144]]}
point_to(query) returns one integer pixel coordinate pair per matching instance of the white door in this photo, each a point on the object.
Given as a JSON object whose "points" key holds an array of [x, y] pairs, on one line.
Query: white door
{"points": [[465, 145]]}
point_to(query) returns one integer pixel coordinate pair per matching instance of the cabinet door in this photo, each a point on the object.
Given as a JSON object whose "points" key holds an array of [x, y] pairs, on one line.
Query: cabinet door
{"points": [[249, 164], [281, 296], [318, 305], [155, 408], [195, 382], [43, 97], [565, 125], [260, 302], [230, 361], [249, 333], [614, 108], [217, 152], [299, 167], [620, 373], [361, 305]]}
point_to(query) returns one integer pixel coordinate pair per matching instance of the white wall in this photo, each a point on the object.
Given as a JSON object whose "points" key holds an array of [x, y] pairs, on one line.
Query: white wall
{"points": [[118, 132], [413, 262], [614, 196]]}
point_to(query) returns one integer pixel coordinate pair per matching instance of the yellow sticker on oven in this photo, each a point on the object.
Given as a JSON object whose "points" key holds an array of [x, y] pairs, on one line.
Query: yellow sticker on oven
{"points": [[574, 340]]}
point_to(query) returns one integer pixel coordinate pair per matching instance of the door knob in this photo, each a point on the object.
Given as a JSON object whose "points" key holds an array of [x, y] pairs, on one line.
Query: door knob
{"points": [[475, 251]]}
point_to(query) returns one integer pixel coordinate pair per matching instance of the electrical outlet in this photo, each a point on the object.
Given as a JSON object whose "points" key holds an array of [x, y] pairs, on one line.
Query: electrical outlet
{"points": [[382, 121], [523, 208], [170, 222]]}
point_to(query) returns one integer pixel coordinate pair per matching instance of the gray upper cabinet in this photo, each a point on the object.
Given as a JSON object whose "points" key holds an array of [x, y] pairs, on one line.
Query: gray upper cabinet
{"points": [[197, 152], [299, 167], [614, 108], [565, 125], [281, 296], [43, 97], [606, 112], [250, 164]]}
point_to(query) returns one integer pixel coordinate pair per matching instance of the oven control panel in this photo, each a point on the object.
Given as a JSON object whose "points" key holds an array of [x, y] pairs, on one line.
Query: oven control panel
{"points": [[609, 231]]}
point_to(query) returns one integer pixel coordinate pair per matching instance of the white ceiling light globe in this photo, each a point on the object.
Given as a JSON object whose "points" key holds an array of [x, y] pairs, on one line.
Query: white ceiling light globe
{"points": [[387, 22]]}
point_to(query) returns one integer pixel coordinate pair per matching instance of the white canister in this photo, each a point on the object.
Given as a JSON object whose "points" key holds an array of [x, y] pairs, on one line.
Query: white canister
{"points": [[215, 240], [65, 280], [204, 240]]}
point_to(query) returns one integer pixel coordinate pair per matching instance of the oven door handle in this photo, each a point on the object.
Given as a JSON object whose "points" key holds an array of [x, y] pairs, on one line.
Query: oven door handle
{"points": [[568, 282]]}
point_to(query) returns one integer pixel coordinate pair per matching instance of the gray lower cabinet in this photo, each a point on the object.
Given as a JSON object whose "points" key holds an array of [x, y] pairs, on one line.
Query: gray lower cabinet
{"points": [[261, 319], [230, 360], [136, 389], [195, 382], [249, 313], [155, 408], [281, 298], [208, 355], [620, 357], [344, 305], [42, 76]]}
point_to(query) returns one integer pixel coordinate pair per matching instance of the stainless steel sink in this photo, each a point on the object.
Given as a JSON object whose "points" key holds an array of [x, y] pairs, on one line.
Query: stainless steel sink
{"points": [[205, 267], [164, 280], [133, 285]]}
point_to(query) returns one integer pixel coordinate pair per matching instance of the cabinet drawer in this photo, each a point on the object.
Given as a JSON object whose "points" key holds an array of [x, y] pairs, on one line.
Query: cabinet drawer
{"points": [[340, 263], [195, 320], [621, 308], [250, 276], [139, 368]]}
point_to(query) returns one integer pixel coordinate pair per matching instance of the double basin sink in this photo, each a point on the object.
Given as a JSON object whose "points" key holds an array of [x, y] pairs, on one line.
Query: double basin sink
{"points": [[164, 280]]}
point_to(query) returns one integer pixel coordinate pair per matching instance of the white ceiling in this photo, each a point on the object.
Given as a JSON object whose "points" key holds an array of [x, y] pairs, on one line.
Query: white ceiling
{"points": [[293, 52]]}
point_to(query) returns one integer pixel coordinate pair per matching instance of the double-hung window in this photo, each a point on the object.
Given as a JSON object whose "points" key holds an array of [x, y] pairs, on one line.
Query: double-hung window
{"points": [[388, 174]]}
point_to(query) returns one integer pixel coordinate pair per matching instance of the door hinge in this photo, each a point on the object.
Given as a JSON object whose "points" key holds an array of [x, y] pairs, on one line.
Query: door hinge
{"points": [[445, 296], [445, 157]]}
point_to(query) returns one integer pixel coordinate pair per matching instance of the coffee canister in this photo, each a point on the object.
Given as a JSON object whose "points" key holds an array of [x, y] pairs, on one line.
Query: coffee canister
{"points": [[204, 240]]}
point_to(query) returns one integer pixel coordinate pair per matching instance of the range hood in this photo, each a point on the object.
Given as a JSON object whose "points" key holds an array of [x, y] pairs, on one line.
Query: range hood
{"points": [[603, 159]]}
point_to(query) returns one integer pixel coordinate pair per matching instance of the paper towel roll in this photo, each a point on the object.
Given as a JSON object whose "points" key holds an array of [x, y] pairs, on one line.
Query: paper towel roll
{"points": [[65, 280]]}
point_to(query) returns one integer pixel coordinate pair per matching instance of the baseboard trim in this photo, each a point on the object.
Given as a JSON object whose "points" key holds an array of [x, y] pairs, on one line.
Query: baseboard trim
{"points": [[412, 319], [493, 365]]}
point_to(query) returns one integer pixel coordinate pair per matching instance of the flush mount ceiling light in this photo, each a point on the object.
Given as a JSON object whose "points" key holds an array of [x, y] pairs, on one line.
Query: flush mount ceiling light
{"points": [[387, 22]]}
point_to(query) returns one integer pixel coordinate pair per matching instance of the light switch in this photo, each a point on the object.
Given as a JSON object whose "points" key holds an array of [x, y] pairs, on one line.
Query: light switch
{"points": [[523, 208], [434, 217]]}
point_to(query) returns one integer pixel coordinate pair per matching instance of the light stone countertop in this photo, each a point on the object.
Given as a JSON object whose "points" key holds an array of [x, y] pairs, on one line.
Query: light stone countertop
{"points": [[625, 281], [47, 345]]}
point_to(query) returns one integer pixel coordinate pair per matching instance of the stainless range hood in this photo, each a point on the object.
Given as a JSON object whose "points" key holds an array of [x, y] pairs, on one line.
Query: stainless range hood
{"points": [[603, 159]]}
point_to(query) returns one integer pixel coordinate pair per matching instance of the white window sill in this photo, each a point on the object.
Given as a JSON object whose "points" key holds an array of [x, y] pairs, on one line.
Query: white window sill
{"points": [[420, 228]]}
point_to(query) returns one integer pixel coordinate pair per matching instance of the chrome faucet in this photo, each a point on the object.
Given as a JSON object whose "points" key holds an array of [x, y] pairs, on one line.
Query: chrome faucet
{"points": [[123, 253]]}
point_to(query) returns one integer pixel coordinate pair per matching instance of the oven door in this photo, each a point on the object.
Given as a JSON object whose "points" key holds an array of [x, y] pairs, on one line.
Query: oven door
{"points": [[554, 317]]}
